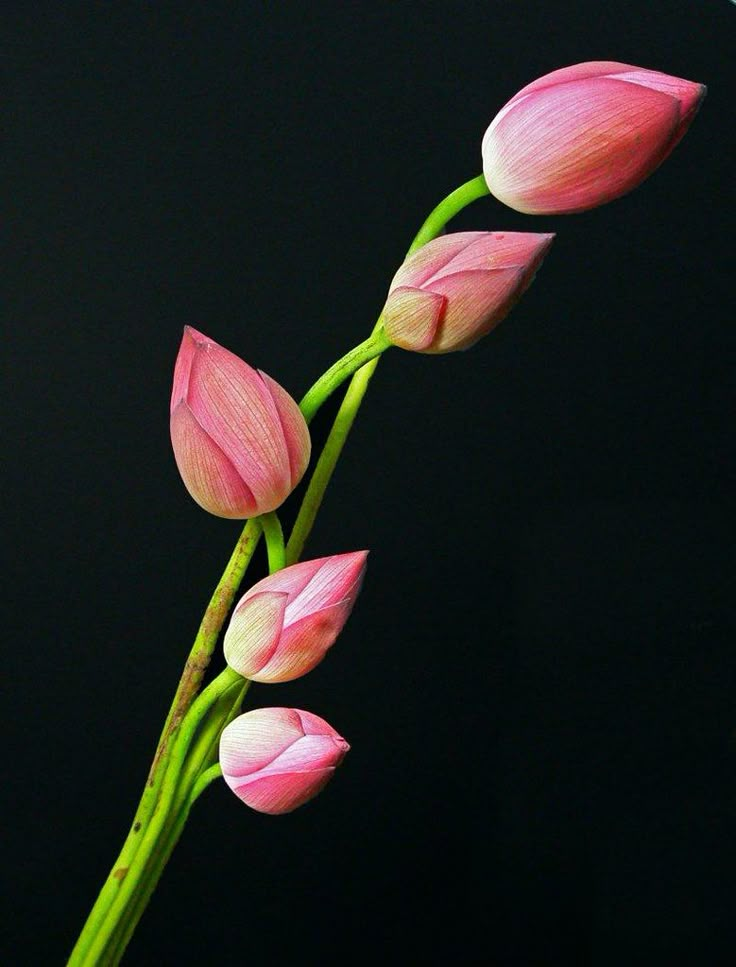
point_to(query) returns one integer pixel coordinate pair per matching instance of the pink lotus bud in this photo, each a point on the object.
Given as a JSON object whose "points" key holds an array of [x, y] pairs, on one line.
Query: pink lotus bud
{"points": [[276, 759], [282, 627], [456, 288], [240, 441], [584, 135]]}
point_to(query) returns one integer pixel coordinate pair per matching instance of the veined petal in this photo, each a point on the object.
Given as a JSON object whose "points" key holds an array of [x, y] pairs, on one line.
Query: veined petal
{"points": [[279, 794], [337, 577], [231, 402], [412, 316], [183, 365], [253, 740], [209, 475], [252, 637], [296, 433], [572, 146]]}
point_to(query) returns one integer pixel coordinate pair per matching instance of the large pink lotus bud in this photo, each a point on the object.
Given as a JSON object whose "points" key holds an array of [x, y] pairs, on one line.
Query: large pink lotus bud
{"points": [[584, 135], [240, 441], [276, 759], [456, 288], [282, 627]]}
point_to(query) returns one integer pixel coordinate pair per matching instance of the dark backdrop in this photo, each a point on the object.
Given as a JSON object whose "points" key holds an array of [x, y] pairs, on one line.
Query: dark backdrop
{"points": [[539, 679]]}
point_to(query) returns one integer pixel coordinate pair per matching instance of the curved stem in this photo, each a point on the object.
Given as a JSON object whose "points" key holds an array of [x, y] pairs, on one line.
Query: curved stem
{"points": [[450, 206], [195, 766], [433, 225], [274, 541], [189, 683], [129, 884], [325, 466], [361, 354], [154, 833], [205, 778]]}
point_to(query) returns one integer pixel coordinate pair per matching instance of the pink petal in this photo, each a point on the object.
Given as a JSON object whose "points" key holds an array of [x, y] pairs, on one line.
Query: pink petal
{"points": [[576, 72], [573, 146], [279, 794], [292, 580], [305, 643], [296, 434], [183, 365], [337, 577], [428, 259], [254, 631], [476, 302], [411, 317], [253, 740], [231, 402], [208, 474]]}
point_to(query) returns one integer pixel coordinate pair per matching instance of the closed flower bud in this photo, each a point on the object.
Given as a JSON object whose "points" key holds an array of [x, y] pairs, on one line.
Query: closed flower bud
{"points": [[240, 441], [276, 759], [584, 135], [456, 288], [283, 626]]}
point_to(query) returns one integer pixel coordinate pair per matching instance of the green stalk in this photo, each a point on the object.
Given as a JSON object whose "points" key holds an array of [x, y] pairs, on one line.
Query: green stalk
{"points": [[274, 541], [189, 683], [99, 949], [154, 833], [433, 225], [192, 783]]}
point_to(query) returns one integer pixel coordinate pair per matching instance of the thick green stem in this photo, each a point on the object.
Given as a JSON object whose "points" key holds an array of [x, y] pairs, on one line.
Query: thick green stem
{"points": [[132, 881], [274, 541], [191, 785], [312, 500], [313, 399], [173, 781], [189, 683]]}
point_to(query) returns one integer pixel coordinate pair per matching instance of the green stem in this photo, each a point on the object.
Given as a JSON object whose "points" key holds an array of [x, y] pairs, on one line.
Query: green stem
{"points": [[154, 833], [274, 541], [325, 466], [450, 206], [205, 778], [131, 882], [189, 683], [361, 354], [190, 786], [312, 500]]}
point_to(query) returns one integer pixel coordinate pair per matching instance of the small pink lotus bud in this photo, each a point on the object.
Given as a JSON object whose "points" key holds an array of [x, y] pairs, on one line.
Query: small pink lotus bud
{"points": [[240, 441], [282, 627], [276, 759], [456, 288], [584, 135]]}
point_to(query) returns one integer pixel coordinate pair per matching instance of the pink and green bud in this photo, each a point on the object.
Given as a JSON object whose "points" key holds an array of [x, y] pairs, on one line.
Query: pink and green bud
{"points": [[283, 626], [456, 288], [584, 135], [276, 759], [240, 442]]}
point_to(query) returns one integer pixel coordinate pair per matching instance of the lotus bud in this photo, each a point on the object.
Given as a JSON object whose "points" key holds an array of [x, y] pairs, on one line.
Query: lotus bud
{"points": [[276, 759], [240, 441], [456, 288], [584, 135], [282, 627]]}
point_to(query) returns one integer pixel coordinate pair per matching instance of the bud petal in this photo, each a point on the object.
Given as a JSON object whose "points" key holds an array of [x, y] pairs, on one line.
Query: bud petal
{"points": [[456, 288], [283, 626], [240, 441], [584, 135], [276, 759]]}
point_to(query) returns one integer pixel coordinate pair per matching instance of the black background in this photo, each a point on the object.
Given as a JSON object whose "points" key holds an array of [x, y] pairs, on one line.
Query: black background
{"points": [[539, 681]]}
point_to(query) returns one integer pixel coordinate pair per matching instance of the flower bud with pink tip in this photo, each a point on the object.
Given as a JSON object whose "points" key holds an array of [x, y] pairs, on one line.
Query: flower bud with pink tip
{"points": [[240, 442], [456, 288], [584, 135], [283, 626], [276, 759]]}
